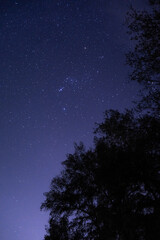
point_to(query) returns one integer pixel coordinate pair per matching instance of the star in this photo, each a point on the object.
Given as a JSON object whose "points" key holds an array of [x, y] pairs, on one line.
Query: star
{"points": [[61, 89]]}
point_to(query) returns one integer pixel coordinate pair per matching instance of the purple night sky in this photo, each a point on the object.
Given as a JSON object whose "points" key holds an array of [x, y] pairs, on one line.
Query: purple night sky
{"points": [[62, 66]]}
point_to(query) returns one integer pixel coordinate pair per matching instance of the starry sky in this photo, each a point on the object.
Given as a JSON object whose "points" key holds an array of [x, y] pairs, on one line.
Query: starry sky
{"points": [[62, 66]]}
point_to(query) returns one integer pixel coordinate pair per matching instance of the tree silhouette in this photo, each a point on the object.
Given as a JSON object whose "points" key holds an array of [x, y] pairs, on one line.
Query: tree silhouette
{"points": [[144, 28], [113, 190]]}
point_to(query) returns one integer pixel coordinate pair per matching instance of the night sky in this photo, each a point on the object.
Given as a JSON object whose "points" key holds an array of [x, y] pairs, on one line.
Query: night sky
{"points": [[62, 65]]}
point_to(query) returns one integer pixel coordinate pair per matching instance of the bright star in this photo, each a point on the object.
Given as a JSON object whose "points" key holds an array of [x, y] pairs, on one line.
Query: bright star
{"points": [[61, 89]]}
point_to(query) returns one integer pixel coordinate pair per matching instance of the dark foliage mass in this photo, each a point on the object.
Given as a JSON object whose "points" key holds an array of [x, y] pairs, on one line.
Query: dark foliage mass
{"points": [[112, 191], [144, 28]]}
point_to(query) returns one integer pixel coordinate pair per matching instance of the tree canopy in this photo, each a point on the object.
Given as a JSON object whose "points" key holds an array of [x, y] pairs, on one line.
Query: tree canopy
{"points": [[113, 190], [144, 58]]}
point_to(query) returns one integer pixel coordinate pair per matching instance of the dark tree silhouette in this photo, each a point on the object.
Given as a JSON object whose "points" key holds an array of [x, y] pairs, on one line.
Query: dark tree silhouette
{"points": [[113, 190], [144, 28], [58, 229]]}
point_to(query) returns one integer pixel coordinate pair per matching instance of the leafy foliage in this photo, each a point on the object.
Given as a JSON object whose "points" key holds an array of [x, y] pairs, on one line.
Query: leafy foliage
{"points": [[111, 191], [144, 28]]}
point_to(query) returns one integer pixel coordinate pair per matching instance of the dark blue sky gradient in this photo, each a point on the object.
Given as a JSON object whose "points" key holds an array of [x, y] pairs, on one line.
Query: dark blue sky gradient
{"points": [[62, 66]]}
